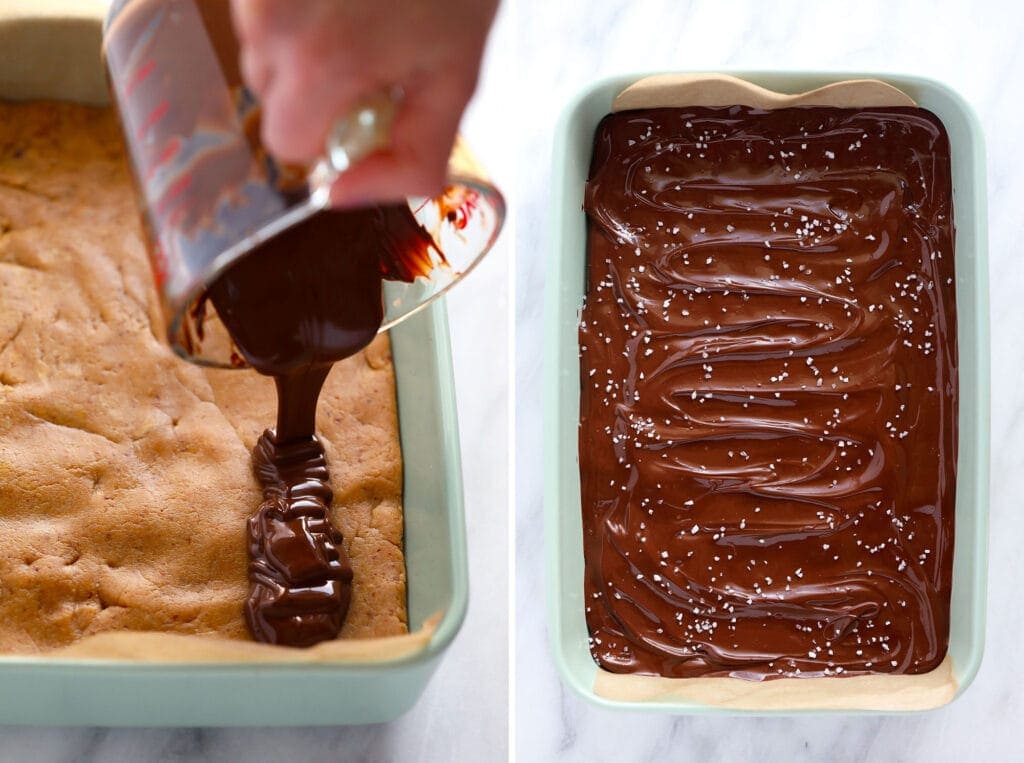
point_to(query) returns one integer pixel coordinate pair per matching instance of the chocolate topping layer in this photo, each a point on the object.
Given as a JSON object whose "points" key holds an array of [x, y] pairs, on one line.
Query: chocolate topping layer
{"points": [[769, 392]]}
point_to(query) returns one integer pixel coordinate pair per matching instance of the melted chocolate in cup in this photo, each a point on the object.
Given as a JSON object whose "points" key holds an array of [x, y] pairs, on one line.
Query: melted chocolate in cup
{"points": [[294, 306]]}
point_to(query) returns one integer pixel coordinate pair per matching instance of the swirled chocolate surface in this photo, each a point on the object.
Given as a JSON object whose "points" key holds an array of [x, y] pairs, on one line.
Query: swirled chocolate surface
{"points": [[769, 392]]}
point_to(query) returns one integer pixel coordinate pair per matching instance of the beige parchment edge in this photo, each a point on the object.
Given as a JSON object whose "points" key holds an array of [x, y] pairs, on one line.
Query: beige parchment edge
{"points": [[875, 692], [160, 647], [679, 90]]}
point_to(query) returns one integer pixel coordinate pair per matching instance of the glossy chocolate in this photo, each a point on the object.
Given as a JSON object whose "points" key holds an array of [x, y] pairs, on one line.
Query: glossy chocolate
{"points": [[769, 392], [300, 576], [302, 301]]}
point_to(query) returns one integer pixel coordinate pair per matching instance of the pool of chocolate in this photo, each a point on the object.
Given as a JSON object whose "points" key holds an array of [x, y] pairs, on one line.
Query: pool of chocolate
{"points": [[768, 421], [297, 304]]}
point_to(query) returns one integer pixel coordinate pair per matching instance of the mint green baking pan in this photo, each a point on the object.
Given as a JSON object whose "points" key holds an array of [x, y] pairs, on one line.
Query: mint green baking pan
{"points": [[46, 691], [564, 296]]}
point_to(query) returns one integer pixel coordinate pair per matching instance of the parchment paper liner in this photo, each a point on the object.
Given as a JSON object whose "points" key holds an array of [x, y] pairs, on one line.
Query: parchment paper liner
{"points": [[156, 646], [679, 90], [873, 692]]}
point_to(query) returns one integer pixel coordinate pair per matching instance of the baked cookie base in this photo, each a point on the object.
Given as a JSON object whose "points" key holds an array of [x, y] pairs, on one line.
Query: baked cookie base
{"points": [[125, 477]]}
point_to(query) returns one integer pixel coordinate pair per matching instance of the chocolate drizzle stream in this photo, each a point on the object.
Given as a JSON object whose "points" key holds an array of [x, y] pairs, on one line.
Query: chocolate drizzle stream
{"points": [[769, 392], [294, 306]]}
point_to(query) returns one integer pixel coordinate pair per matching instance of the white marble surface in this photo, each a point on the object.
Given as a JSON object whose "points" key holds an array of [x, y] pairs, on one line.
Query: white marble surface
{"points": [[463, 714], [978, 50]]}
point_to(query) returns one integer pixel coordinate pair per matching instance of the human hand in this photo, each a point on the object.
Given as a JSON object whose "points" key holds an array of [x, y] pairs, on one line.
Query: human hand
{"points": [[313, 61]]}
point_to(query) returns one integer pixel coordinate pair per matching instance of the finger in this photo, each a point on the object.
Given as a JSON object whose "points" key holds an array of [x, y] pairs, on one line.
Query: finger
{"points": [[249, 19], [299, 105], [257, 70], [256, 20], [383, 178], [416, 162]]}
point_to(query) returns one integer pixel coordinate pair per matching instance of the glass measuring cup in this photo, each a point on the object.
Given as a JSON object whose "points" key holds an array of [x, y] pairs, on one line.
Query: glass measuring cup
{"points": [[211, 194]]}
